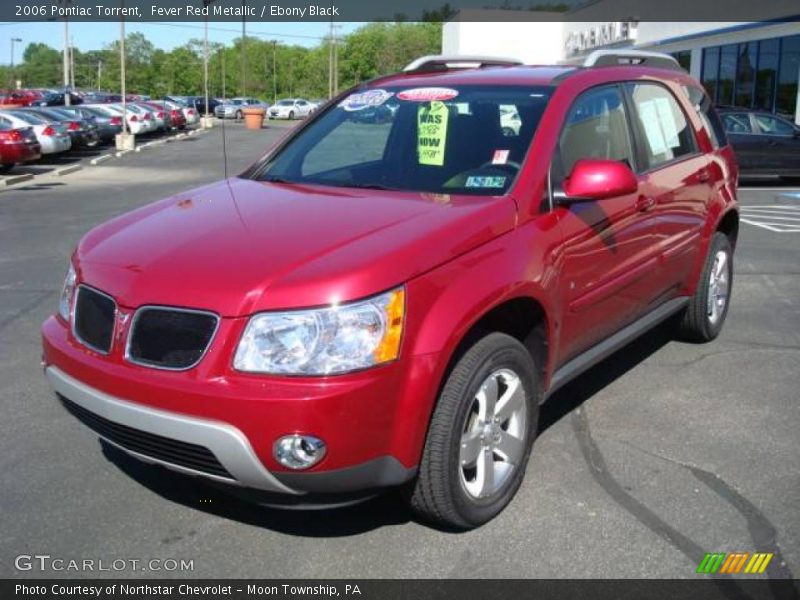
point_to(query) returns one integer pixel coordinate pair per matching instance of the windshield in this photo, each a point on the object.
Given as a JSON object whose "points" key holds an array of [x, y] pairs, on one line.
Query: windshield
{"points": [[440, 140], [286, 103]]}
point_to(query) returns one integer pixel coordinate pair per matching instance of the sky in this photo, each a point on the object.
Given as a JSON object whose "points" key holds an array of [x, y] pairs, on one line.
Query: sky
{"points": [[93, 36]]}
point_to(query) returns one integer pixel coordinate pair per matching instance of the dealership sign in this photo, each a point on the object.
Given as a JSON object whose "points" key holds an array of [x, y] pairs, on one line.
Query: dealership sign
{"points": [[599, 35]]}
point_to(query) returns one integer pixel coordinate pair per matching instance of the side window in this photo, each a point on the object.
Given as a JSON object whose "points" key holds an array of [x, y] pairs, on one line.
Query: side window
{"points": [[596, 127], [773, 125], [353, 142], [737, 123], [666, 133]]}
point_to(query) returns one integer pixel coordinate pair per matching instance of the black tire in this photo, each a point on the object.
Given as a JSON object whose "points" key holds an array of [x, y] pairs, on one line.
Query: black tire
{"points": [[291, 115], [5, 168], [697, 324], [238, 115], [438, 494]]}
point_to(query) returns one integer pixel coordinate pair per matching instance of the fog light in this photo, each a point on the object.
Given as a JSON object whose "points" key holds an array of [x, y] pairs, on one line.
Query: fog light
{"points": [[299, 451]]}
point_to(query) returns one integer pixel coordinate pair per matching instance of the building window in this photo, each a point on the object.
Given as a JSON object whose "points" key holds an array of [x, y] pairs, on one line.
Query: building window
{"points": [[711, 71], [767, 74], [746, 74], [786, 98], [762, 74], [684, 59], [727, 73]]}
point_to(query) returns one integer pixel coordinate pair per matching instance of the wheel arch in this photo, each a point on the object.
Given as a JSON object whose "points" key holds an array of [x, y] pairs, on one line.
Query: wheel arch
{"points": [[729, 225]]}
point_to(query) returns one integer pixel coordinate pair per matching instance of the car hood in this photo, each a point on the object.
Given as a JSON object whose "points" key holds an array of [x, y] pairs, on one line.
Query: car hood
{"points": [[240, 246]]}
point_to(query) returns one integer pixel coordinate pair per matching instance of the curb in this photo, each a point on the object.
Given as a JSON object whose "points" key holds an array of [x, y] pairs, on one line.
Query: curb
{"points": [[99, 159], [6, 181], [68, 170], [121, 153]]}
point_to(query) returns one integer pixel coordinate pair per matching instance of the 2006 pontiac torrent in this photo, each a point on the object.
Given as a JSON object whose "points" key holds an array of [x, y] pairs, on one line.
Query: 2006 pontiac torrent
{"points": [[387, 297]]}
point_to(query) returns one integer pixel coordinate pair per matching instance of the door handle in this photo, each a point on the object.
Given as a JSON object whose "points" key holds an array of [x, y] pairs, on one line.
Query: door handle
{"points": [[645, 203]]}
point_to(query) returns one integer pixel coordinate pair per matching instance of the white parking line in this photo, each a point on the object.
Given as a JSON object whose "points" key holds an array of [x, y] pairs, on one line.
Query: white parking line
{"points": [[773, 217]]}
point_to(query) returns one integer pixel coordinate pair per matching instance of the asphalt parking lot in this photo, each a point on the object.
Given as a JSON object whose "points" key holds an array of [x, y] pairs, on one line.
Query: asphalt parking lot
{"points": [[660, 454]]}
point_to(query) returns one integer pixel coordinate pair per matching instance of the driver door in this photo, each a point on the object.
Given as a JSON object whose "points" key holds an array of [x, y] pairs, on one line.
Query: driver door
{"points": [[608, 244]]}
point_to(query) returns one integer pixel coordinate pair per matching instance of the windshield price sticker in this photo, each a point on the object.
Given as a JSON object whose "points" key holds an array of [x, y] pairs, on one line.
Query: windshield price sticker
{"points": [[428, 94], [432, 133], [362, 100], [495, 182], [500, 157]]}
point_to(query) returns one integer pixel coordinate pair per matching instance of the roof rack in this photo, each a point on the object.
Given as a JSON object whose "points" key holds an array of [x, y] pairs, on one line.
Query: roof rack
{"points": [[607, 58], [441, 62]]}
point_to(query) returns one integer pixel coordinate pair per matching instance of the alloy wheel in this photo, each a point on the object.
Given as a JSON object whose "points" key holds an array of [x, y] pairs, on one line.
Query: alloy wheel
{"points": [[493, 440]]}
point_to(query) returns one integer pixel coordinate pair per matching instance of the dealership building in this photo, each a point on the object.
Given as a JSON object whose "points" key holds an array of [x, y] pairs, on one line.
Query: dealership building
{"points": [[748, 64]]}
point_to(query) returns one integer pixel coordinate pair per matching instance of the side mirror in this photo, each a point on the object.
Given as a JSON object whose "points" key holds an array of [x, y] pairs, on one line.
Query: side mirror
{"points": [[596, 179]]}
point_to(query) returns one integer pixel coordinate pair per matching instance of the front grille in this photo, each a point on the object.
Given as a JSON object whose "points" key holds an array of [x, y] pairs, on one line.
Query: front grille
{"points": [[93, 321], [170, 338], [182, 454]]}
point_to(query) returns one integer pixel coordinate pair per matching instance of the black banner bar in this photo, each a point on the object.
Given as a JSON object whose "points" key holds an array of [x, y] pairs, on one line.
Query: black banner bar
{"points": [[409, 10], [702, 588]]}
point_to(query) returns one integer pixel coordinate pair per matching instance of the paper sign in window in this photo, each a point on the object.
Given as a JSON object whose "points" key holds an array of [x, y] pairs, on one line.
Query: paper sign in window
{"points": [[652, 129], [432, 133]]}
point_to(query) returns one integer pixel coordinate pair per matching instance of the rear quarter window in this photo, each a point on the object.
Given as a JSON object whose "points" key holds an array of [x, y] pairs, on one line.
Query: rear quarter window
{"points": [[708, 115]]}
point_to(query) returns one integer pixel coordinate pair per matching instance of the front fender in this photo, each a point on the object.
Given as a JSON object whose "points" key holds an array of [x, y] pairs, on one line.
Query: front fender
{"points": [[446, 303]]}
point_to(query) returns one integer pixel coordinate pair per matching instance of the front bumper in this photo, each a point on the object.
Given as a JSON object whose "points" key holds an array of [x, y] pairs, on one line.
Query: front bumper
{"points": [[225, 442], [364, 417]]}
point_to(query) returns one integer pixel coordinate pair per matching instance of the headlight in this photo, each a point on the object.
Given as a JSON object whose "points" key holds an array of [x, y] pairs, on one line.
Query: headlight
{"points": [[324, 341], [67, 293]]}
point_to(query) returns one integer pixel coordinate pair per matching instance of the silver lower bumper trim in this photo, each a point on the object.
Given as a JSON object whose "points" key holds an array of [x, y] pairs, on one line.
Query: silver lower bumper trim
{"points": [[228, 443]]}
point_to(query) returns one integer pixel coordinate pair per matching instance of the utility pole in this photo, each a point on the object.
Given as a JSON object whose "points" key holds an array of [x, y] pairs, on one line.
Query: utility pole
{"points": [[72, 63], [122, 75], [244, 52], [330, 61], [205, 73], [274, 72], [66, 62], [125, 141], [13, 83], [99, 73], [222, 55], [335, 63]]}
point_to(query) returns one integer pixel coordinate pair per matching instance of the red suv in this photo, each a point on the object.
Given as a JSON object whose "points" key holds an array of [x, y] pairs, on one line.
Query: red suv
{"points": [[387, 297]]}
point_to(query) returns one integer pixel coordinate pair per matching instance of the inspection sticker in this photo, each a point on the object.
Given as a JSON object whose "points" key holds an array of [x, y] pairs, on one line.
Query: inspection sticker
{"points": [[427, 94], [432, 133], [474, 181], [362, 100], [500, 157]]}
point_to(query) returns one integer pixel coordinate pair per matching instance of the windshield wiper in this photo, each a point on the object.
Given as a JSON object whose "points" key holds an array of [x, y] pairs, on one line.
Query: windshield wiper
{"points": [[369, 186], [274, 179]]}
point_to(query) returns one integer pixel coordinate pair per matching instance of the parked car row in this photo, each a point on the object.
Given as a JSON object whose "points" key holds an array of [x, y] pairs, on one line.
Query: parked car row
{"points": [[28, 133]]}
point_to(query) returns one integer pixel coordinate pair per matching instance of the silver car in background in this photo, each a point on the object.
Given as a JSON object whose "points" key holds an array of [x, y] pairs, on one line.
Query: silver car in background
{"points": [[232, 108], [51, 135]]}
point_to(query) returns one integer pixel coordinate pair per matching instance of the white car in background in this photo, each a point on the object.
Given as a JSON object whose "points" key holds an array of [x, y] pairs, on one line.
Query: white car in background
{"points": [[510, 121], [51, 135], [291, 108]]}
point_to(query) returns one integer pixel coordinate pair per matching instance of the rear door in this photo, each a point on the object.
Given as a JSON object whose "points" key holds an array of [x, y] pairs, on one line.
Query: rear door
{"points": [[745, 140], [608, 244], [781, 148], [677, 181]]}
